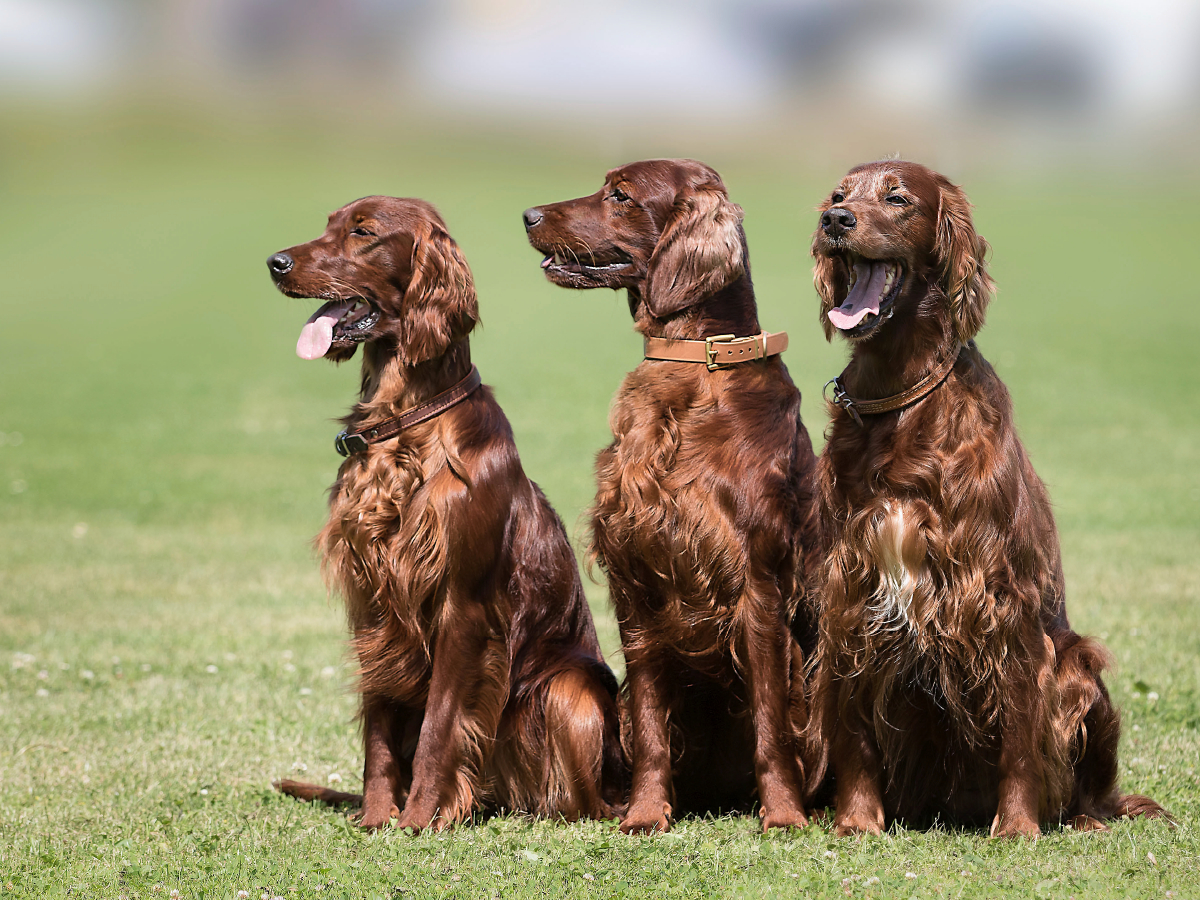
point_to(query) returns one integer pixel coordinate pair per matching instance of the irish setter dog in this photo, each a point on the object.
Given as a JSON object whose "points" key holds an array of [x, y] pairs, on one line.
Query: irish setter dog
{"points": [[481, 677], [705, 518], [951, 684]]}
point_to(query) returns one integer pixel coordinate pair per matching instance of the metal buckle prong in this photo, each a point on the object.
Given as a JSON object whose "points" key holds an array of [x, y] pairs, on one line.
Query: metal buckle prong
{"points": [[710, 352]]}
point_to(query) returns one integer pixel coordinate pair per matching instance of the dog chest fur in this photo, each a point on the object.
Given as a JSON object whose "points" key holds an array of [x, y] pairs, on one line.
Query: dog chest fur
{"points": [[898, 566]]}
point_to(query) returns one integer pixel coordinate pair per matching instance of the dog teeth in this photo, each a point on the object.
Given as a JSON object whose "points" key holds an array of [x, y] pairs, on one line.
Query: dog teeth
{"points": [[352, 312]]}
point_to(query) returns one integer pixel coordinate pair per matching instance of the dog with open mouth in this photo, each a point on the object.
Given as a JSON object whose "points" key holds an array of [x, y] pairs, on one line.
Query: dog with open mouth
{"points": [[481, 677], [704, 521], [950, 683]]}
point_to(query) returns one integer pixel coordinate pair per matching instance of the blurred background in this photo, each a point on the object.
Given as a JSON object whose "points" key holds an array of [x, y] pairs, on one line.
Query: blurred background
{"points": [[972, 79]]}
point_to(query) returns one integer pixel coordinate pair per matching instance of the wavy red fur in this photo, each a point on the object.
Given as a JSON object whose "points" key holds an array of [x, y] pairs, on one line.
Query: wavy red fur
{"points": [[950, 682], [705, 520], [481, 677]]}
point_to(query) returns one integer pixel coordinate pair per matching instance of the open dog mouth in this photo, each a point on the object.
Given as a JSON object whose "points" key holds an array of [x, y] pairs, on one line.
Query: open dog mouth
{"points": [[874, 286], [563, 264], [337, 323]]}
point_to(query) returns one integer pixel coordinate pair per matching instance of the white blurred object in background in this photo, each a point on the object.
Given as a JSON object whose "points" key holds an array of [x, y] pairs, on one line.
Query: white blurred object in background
{"points": [[59, 45], [1097, 66]]}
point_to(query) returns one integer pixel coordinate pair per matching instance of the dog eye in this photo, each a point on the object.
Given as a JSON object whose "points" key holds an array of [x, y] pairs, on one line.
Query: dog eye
{"points": [[837, 197], [619, 195], [897, 200], [363, 232]]}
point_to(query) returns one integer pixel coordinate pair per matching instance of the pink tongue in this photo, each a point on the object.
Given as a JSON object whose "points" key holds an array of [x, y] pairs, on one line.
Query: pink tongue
{"points": [[864, 297], [317, 334]]}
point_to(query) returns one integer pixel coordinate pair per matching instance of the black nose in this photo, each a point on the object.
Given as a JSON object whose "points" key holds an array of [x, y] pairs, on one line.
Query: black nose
{"points": [[835, 221], [280, 263], [532, 217]]}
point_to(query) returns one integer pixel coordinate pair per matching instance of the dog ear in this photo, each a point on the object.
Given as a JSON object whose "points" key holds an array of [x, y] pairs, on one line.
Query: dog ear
{"points": [[700, 251], [961, 255], [440, 305], [829, 278]]}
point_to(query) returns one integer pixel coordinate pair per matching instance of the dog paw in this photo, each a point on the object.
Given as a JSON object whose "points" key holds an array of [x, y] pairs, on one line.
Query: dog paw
{"points": [[853, 824], [1016, 826], [1087, 823], [417, 820], [647, 818], [413, 825], [784, 817], [371, 819]]}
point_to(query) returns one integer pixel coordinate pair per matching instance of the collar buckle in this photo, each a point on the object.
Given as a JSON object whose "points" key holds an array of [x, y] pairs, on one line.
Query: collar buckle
{"points": [[347, 443], [710, 352], [842, 399]]}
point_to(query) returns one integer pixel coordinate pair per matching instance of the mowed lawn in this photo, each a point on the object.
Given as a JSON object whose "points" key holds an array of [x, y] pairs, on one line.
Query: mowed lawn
{"points": [[167, 647]]}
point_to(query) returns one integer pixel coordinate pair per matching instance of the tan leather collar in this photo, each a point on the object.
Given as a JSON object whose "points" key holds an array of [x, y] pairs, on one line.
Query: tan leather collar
{"points": [[349, 442], [919, 391], [719, 351]]}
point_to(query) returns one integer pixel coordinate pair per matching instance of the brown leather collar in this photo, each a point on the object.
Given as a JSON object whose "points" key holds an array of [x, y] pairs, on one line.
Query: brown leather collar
{"points": [[719, 351], [919, 391], [349, 442]]}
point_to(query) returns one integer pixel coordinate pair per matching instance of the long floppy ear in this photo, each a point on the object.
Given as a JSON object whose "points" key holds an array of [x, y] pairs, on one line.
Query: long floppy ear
{"points": [[830, 280], [700, 251], [440, 305], [961, 255]]}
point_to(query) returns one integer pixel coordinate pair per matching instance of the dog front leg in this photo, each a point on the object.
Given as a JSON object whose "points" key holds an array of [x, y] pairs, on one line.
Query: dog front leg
{"points": [[857, 769], [462, 712], [384, 772], [650, 797], [1022, 766], [766, 650]]}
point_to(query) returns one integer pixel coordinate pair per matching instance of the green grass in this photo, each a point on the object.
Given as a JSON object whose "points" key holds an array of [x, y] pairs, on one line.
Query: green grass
{"points": [[166, 647]]}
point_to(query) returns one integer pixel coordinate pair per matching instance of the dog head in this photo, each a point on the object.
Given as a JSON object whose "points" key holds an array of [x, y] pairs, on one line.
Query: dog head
{"points": [[664, 228], [892, 236], [388, 272]]}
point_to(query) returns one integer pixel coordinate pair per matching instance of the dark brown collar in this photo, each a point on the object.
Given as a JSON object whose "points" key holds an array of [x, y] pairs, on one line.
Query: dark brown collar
{"points": [[919, 391], [349, 442]]}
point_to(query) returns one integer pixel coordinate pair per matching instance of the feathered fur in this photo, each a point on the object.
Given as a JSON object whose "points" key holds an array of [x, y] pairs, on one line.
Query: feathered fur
{"points": [[705, 519], [950, 682], [481, 677]]}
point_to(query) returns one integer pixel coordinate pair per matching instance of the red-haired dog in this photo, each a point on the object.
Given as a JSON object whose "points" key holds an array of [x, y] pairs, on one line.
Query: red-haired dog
{"points": [[481, 678], [951, 683], [705, 517]]}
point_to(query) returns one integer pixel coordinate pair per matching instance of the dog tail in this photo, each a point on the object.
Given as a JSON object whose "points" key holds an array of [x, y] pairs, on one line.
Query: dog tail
{"points": [[1091, 727], [307, 793], [1130, 805]]}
